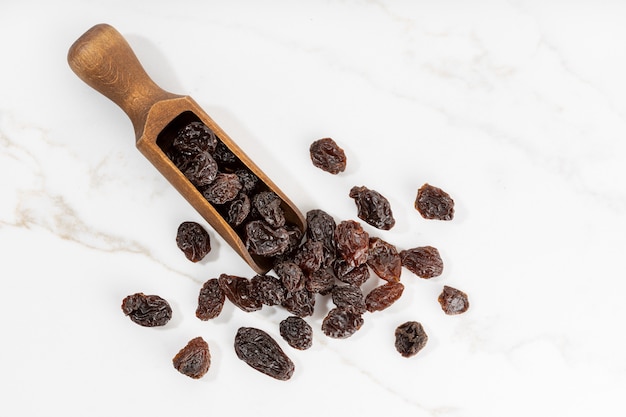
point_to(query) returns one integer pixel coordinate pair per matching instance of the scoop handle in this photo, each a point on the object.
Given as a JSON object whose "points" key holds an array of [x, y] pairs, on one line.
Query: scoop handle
{"points": [[104, 60]]}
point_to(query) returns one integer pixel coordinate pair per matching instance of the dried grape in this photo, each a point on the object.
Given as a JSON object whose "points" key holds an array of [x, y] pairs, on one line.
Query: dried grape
{"points": [[267, 290], [351, 275], [310, 256], [410, 338], [263, 240], [239, 292], [352, 242], [267, 206], [341, 323], [195, 138], [147, 310], [321, 281], [383, 296], [223, 189], [384, 259], [290, 275], [238, 210], [200, 169], [453, 301], [193, 240], [423, 261], [249, 181], [434, 203], [296, 332], [300, 303], [373, 208], [349, 297], [194, 359], [261, 352], [210, 300], [328, 156]]}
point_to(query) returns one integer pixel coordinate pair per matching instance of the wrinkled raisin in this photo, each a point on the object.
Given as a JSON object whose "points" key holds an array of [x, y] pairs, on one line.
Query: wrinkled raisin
{"points": [[224, 157], [261, 352], [267, 290], [193, 240], [410, 338], [210, 300], [290, 275], [328, 156], [434, 203], [264, 240], [352, 242], [194, 359], [239, 292], [310, 256], [195, 138], [351, 275], [424, 261], [200, 169], [249, 181], [453, 301], [341, 323], [321, 281], [349, 297], [223, 189], [383, 296], [147, 310], [296, 332], [300, 303], [384, 259], [266, 205], [321, 226], [373, 208]]}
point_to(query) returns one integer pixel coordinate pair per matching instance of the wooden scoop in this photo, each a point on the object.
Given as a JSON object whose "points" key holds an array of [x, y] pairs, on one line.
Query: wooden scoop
{"points": [[103, 59]]}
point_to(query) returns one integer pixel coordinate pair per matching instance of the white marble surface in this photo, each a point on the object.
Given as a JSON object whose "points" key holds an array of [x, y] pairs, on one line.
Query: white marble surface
{"points": [[516, 108]]}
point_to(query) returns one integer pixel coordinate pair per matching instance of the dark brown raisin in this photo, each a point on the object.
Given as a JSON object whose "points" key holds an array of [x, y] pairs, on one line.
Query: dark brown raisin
{"points": [[238, 210], [200, 169], [349, 297], [267, 207], [321, 226], [249, 181], [300, 303], [261, 352], [423, 261], [195, 138], [194, 359], [410, 338], [224, 157], [193, 240], [239, 292], [267, 289], [341, 323], [264, 240], [453, 301], [321, 281], [147, 310], [290, 275], [383, 296], [373, 208], [224, 188], [310, 256], [296, 332], [328, 156], [351, 275], [384, 259], [352, 242], [434, 203], [210, 300]]}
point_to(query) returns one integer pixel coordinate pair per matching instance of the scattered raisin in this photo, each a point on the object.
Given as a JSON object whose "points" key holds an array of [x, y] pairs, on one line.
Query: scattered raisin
{"points": [[328, 156], [351, 275], [290, 275], [267, 290], [310, 256], [434, 203], [224, 188], [424, 261], [352, 242], [373, 208], [193, 240], [384, 260], [383, 296], [261, 352], [239, 292], [300, 303], [210, 300], [194, 359], [453, 301], [200, 169], [341, 323], [349, 297], [321, 281], [267, 206], [321, 226], [238, 210], [410, 338], [147, 310], [264, 240], [195, 138], [296, 332]]}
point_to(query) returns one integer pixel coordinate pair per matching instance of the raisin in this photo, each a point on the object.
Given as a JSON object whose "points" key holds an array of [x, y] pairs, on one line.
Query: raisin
{"points": [[410, 338], [424, 261], [321, 281], [351, 275], [453, 301], [263, 240], [328, 156], [352, 242], [223, 189], [195, 138], [261, 352], [434, 203], [290, 275], [238, 210], [384, 259], [200, 169], [341, 323], [194, 359], [239, 292], [310, 256], [249, 181], [383, 296], [267, 206], [321, 226], [210, 300], [224, 157], [373, 208], [193, 240], [267, 290], [147, 310], [349, 297], [300, 303], [296, 332]]}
